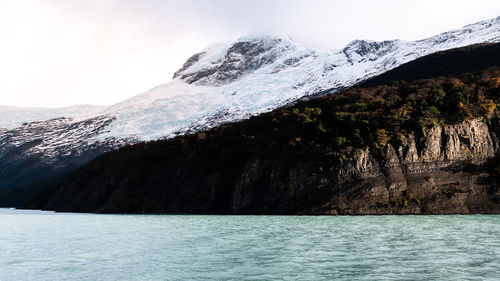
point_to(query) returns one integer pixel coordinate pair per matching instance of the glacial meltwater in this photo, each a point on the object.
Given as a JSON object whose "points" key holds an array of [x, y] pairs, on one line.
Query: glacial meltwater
{"points": [[47, 246]]}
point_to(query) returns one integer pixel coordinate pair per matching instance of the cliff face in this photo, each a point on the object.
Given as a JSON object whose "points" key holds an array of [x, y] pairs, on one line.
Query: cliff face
{"points": [[444, 172]]}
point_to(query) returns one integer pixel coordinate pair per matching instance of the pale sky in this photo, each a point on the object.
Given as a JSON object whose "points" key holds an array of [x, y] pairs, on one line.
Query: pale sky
{"points": [[64, 52]]}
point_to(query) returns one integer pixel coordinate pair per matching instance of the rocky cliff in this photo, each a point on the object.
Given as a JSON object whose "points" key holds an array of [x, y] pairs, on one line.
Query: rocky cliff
{"points": [[446, 173]]}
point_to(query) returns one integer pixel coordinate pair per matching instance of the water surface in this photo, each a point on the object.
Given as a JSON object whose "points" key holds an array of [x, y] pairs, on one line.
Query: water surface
{"points": [[47, 246]]}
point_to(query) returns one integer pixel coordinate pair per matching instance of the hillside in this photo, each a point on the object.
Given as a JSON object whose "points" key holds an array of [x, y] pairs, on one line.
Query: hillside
{"points": [[414, 146]]}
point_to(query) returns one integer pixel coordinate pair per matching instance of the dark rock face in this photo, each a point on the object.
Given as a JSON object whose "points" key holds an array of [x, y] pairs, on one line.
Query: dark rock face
{"points": [[446, 173], [192, 60], [241, 58], [360, 50]]}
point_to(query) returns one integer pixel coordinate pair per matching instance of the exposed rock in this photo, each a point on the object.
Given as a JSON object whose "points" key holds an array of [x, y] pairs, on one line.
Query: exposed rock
{"points": [[362, 50], [192, 60], [241, 58], [442, 178]]}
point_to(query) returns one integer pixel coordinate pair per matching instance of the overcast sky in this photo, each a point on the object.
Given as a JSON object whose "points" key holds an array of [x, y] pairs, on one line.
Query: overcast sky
{"points": [[65, 52]]}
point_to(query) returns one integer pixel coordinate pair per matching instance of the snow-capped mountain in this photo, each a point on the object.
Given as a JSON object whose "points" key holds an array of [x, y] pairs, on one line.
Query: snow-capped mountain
{"points": [[225, 82], [232, 81]]}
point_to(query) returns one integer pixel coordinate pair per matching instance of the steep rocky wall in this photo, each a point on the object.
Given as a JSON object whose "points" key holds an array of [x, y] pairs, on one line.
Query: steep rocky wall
{"points": [[445, 172]]}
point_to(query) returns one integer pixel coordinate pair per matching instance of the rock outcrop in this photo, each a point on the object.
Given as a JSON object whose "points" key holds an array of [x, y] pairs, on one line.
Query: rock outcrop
{"points": [[442, 173]]}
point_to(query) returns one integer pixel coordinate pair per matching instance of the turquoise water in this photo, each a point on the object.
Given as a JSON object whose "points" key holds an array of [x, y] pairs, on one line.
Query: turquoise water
{"points": [[47, 246]]}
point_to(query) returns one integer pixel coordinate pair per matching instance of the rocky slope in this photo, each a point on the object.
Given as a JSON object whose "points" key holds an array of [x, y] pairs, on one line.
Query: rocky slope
{"points": [[421, 147]]}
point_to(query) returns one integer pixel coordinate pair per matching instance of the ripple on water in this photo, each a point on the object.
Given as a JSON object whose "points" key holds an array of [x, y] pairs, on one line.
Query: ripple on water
{"points": [[48, 246]]}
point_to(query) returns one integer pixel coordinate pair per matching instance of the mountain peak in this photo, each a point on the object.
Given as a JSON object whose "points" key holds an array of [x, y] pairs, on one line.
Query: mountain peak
{"points": [[359, 50], [262, 36], [224, 63]]}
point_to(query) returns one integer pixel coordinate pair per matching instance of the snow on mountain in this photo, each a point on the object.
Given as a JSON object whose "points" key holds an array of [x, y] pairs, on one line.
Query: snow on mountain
{"points": [[12, 117], [233, 81], [59, 138]]}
